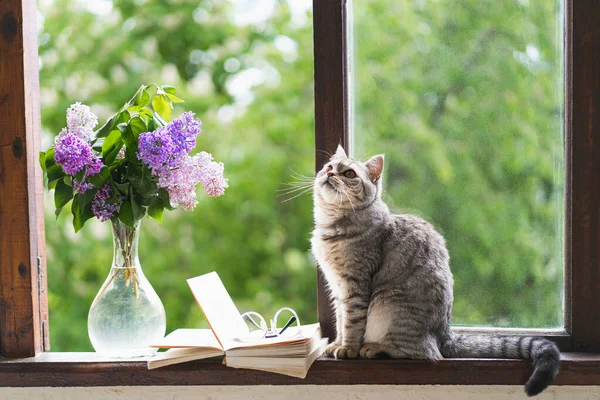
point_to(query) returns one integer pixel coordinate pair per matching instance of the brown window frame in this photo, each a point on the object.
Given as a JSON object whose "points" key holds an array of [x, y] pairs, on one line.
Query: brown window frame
{"points": [[23, 296], [581, 331]]}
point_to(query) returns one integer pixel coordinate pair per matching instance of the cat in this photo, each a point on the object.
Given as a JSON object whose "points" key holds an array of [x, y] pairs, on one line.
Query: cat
{"points": [[390, 281]]}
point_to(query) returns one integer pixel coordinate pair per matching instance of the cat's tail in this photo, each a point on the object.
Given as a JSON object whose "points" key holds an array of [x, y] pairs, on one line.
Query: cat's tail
{"points": [[543, 352]]}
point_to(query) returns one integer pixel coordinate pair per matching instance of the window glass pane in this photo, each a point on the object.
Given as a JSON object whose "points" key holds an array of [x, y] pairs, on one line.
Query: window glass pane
{"points": [[246, 68], [466, 101]]}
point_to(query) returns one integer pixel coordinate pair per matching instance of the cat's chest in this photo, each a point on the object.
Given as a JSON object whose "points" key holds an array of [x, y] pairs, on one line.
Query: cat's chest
{"points": [[332, 257]]}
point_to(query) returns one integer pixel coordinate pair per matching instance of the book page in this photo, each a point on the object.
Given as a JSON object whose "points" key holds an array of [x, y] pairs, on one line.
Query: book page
{"points": [[296, 367], [189, 338], [176, 356], [218, 308], [305, 333]]}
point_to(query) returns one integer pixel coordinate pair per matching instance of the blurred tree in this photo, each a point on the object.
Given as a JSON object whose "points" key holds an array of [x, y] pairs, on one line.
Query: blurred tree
{"points": [[224, 69], [465, 99]]}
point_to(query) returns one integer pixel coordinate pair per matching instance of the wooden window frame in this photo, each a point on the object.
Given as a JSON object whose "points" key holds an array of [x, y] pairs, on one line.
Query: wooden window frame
{"points": [[581, 331], [23, 295]]}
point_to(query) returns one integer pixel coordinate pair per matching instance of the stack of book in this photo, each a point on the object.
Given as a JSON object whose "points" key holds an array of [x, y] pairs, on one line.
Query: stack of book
{"points": [[292, 354]]}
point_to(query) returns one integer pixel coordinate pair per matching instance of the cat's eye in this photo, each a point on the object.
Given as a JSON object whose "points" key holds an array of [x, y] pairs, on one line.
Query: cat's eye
{"points": [[350, 174]]}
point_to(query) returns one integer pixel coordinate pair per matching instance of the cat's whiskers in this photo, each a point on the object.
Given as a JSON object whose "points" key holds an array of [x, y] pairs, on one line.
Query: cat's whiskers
{"points": [[305, 191], [302, 185], [327, 153], [348, 197], [288, 191], [301, 177], [295, 185]]}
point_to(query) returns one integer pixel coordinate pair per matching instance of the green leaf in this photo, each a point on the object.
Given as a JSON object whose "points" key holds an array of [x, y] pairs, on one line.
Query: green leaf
{"points": [[174, 98], [135, 100], [107, 127], [52, 184], [58, 211], [140, 100], [84, 199], [97, 144], [141, 180], [63, 193], [160, 119], [111, 147], [155, 211], [158, 205], [43, 160], [53, 170], [168, 89], [138, 210], [144, 99], [131, 143], [79, 176], [146, 115], [113, 200], [162, 106], [122, 117], [126, 213], [100, 178], [123, 188], [137, 126], [80, 213], [128, 137], [163, 196], [155, 123]]}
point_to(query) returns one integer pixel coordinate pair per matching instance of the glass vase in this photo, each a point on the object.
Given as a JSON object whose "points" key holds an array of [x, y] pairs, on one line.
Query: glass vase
{"points": [[127, 314]]}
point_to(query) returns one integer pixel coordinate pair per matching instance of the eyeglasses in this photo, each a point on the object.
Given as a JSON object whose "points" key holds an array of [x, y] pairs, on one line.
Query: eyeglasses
{"points": [[258, 329]]}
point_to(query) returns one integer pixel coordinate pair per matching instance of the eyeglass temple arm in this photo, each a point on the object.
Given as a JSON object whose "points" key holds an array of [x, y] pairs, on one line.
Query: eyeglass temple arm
{"points": [[287, 325], [251, 320]]}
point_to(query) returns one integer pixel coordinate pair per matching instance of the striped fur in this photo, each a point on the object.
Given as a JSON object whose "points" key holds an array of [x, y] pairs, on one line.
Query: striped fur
{"points": [[390, 281]]}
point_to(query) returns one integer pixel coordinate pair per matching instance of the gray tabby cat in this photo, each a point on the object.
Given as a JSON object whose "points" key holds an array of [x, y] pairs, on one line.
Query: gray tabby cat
{"points": [[390, 281]]}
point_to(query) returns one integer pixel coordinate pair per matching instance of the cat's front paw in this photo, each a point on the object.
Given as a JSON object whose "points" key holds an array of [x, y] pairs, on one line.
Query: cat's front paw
{"points": [[371, 350], [345, 352], [331, 348]]}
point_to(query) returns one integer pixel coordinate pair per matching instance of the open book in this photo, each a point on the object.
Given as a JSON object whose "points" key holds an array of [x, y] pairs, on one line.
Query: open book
{"points": [[229, 335]]}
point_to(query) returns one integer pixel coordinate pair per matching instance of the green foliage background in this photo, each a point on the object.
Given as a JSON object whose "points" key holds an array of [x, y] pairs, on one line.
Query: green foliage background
{"points": [[468, 116]]}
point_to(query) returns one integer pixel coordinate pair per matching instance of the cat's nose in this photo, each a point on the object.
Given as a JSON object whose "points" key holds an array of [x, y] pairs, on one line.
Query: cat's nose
{"points": [[330, 173]]}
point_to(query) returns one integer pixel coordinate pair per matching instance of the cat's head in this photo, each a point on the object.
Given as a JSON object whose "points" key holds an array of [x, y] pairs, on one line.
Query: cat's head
{"points": [[347, 183]]}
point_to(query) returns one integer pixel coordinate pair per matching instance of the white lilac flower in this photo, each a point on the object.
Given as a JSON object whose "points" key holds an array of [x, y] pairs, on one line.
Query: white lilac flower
{"points": [[81, 121]]}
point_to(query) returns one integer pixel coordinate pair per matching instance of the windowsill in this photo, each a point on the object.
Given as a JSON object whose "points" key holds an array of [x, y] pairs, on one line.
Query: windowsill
{"points": [[88, 369]]}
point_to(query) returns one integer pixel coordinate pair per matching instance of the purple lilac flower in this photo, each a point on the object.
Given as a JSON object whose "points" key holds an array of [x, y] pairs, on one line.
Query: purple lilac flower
{"points": [[81, 187], [91, 169], [214, 183], [169, 144], [81, 121], [181, 182], [74, 154], [101, 209], [156, 149], [184, 130], [71, 152], [94, 166], [166, 150]]}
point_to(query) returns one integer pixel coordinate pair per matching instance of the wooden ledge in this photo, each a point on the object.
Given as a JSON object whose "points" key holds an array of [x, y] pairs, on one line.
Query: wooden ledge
{"points": [[89, 369]]}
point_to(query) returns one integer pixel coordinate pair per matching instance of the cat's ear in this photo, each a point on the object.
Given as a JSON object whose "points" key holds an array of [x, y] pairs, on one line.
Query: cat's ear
{"points": [[375, 167], [340, 153]]}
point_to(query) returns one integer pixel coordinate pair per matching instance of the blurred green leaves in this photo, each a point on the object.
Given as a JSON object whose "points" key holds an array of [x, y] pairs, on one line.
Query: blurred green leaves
{"points": [[470, 128], [258, 244]]}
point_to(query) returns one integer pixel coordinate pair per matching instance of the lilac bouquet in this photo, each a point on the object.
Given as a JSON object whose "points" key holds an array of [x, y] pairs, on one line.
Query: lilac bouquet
{"points": [[137, 163]]}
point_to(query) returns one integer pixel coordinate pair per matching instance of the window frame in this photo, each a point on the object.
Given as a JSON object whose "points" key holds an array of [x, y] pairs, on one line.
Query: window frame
{"points": [[23, 294], [581, 133]]}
